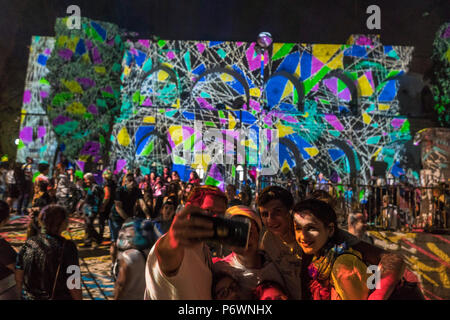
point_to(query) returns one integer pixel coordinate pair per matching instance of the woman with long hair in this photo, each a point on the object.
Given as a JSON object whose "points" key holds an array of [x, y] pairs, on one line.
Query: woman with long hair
{"points": [[46, 261], [194, 178]]}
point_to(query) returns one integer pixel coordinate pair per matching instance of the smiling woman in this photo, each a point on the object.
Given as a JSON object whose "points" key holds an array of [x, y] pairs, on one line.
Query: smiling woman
{"points": [[337, 272]]}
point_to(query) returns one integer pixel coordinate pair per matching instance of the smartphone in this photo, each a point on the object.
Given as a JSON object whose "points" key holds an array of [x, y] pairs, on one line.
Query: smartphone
{"points": [[234, 232]]}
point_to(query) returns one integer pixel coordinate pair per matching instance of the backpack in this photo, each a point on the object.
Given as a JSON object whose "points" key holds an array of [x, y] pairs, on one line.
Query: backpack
{"points": [[138, 234]]}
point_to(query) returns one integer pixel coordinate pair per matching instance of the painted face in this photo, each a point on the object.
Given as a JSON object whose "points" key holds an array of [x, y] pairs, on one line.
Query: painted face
{"points": [[215, 206], [311, 234], [273, 293], [226, 289], [275, 217]]}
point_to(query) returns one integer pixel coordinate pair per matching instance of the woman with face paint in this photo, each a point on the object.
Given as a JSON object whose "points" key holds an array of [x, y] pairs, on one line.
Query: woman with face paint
{"points": [[337, 271], [391, 265]]}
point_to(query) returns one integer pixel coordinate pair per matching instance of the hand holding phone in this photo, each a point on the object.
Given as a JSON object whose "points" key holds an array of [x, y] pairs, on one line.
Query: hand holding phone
{"points": [[187, 229], [234, 232]]}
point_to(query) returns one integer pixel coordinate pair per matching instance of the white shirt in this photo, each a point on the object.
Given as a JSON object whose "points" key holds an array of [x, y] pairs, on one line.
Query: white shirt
{"points": [[10, 177], [192, 282], [135, 287]]}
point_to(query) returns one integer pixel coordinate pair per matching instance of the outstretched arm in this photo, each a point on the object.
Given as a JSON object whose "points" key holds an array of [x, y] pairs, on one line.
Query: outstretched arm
{"points": [[185, 231]]}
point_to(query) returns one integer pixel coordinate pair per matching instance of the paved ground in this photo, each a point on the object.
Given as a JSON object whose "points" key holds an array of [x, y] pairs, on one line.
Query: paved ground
{"points": [[95, 263], [426, 254]]}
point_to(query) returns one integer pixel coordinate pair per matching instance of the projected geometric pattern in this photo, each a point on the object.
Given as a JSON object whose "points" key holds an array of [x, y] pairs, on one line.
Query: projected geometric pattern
{"points": [[85, 88], [335, 106], [36, 136]]}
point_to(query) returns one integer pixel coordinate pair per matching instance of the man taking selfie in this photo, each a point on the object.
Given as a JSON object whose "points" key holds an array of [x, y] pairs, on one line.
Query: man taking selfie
{"points": [[179, 264]]}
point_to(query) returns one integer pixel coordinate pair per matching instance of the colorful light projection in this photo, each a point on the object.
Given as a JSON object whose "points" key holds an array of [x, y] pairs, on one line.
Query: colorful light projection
{"points": [[441, 79], [36, 136], [335, 106], [85, 96]]}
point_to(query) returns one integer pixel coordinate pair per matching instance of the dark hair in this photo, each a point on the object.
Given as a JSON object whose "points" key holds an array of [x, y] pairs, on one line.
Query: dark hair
{"points": [[319, 209], [4, 211], [231, 188], [172, 199], [217, 276], [52, 217], [259, 290], [246, 189], [275, 193], [42, 185], [173, 187], [195, 174], [189, 184], [42, 167], [324, 196], [129, 177], [148, 191], [185, 193]]}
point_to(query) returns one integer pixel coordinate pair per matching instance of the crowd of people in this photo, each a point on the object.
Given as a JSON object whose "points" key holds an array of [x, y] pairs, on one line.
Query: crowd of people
{"points": [[163, 247], [395, 204]]}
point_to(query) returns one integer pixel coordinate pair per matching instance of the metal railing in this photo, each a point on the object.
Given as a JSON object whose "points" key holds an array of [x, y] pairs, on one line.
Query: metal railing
{"points": [[407, 207]]}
